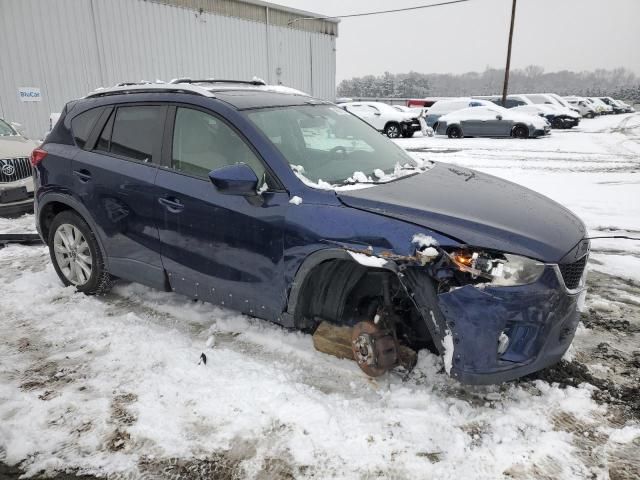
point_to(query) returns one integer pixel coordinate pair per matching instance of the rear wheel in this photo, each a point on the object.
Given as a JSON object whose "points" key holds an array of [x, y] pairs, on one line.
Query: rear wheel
{"points": [[76, 255], [454, 132], [520, 131], [392, 130]]}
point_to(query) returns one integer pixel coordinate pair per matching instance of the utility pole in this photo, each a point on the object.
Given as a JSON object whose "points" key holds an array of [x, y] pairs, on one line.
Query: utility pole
{"points": [[506, 70]]}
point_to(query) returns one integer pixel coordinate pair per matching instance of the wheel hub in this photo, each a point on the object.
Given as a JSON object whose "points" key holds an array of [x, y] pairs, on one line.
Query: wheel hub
{"points": [[374, 349]]}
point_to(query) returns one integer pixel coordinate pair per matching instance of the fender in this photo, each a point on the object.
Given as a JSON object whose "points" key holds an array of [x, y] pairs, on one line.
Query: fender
{"points": [[50, 197]]}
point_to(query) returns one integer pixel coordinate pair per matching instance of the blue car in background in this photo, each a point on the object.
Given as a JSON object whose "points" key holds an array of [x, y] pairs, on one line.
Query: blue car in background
{"points": [[290, 209]]}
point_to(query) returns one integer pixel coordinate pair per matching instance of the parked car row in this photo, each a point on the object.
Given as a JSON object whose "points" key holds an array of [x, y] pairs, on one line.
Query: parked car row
{"points": [[476, 117]]}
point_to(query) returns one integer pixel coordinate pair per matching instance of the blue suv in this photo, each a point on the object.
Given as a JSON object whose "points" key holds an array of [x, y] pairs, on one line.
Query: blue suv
{"points": [[290, 209]]}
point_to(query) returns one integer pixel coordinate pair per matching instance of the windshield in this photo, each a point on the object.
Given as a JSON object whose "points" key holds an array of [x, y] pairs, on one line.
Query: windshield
{"points": [[6, 130], [328, 147]]}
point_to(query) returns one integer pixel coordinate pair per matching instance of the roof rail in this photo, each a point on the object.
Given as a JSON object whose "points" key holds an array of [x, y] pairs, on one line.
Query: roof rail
{"points": [[255, 81], [148, 87]]}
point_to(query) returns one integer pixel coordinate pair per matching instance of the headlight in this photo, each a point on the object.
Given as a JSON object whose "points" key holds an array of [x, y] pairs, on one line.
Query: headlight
{"points": [[497, 269]]}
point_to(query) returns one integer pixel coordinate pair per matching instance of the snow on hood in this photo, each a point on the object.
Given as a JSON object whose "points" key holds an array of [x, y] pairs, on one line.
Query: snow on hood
{"points": [[359, 180]]}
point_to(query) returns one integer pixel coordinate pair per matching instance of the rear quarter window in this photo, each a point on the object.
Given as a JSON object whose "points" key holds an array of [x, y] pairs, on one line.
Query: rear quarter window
{"points": [[82, 125]]}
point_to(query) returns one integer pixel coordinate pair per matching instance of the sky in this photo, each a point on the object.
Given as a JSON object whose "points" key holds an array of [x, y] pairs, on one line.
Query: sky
{"points": [[555, 34]]}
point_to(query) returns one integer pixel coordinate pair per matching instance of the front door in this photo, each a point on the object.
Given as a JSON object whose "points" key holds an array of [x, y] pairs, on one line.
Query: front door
{"points": [[226, 249]]}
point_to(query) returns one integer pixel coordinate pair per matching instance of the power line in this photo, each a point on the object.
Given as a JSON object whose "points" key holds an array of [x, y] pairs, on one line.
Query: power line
{"points": [[364, 14]]}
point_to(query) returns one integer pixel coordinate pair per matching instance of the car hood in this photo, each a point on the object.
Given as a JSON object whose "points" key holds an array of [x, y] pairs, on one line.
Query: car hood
{"points": [[476, 209], [16, 146]]}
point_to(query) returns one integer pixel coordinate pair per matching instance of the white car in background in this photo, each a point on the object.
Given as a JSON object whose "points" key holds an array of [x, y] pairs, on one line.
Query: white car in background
{"points": [[562, 102], [491, 121], [584, 107], [600, 106], [16, 182], [385, 118]]}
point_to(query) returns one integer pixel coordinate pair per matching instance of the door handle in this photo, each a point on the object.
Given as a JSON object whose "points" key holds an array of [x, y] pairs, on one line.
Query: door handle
{"points": [[83, 175], [172, 204]]}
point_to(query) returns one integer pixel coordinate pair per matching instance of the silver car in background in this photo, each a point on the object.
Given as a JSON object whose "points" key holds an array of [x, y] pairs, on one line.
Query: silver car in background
{"points": [[491, 121], [16, 183]]}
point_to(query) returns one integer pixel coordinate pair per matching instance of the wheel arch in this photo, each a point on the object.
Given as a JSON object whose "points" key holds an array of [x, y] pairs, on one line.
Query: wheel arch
{"points": [[393, 122], [332, 275], [55, 203], [457, 125], [315, 275], [518, 125]]}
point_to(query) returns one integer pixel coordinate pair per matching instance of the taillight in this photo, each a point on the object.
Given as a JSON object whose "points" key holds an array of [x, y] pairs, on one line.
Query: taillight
{"points": [[37, 156]]}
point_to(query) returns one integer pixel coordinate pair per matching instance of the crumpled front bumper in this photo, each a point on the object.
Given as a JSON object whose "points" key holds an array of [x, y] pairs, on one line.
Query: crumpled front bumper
{"points": [[540, 320]]}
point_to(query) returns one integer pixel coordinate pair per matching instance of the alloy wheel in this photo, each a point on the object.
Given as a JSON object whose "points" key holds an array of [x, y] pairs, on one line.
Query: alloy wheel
{"points": [[72, 254], [393, 131]]}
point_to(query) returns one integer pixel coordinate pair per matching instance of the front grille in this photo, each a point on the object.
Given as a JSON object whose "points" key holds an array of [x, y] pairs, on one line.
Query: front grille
{"points": [[12, 169], [572, 272]]}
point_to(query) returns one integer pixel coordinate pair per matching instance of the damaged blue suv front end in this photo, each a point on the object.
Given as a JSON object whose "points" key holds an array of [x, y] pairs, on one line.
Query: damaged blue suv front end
{"points": [[512, 331], [502, 291]]}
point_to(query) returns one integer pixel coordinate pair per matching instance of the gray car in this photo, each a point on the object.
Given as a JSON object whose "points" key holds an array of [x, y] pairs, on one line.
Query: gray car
{"points": [[16, 183], [491, 121]]}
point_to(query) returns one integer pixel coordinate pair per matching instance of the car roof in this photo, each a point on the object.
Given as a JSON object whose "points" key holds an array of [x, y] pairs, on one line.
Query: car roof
{"points": [[239, 94], [245, 99]]}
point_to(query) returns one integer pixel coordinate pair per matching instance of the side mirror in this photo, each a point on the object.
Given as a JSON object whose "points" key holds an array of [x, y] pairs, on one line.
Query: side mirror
{"points": [[238, 179], [498, 117], [377, 114]]}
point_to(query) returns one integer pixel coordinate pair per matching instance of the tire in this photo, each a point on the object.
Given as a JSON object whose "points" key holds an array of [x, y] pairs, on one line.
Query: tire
{"points": [[454, 132], [392, 130], [520, 131], [76, 255], [407, 134]]}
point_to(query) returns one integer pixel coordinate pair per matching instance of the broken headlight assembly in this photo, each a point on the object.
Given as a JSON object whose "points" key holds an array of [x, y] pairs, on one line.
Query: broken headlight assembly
{"points": [[496, 269]]}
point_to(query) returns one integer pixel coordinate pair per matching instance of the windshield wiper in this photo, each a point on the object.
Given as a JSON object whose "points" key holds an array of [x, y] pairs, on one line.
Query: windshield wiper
{"points": [[413, 174]]}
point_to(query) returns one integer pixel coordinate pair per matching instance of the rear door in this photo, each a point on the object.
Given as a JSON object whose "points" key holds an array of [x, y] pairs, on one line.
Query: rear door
{"points": [[496, 125], [223, 248], [113, 177], [475, 122]]}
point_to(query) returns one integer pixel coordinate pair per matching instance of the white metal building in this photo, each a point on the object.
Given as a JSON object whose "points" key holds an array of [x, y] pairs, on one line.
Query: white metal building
{"points": [[57, 50]]}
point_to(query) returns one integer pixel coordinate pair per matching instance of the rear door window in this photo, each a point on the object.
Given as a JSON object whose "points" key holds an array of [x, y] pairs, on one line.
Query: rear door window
{"points": [[134, 132]]}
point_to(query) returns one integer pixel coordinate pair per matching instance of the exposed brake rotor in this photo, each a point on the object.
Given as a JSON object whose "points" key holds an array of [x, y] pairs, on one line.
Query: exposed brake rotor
{"points": [[374, 349]]}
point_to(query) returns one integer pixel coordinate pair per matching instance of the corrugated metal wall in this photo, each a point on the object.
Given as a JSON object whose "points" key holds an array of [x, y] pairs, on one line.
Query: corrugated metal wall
{"points": [[70, 47]]}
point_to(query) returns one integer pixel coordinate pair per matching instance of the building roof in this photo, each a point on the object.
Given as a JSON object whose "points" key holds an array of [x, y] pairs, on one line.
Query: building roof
{"points": [[263, 12]]}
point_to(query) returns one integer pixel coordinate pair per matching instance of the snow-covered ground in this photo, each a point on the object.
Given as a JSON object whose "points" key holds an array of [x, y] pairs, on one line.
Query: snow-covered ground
{"points": [[112, 385]]}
